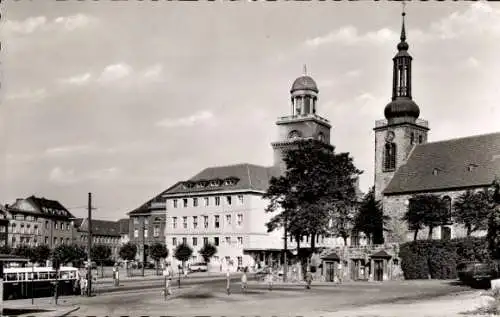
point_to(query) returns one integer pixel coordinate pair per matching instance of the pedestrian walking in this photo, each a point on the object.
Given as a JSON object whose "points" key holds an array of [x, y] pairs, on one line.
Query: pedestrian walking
{"points": [[244, 280], [228, 282], [339, 272], [270, 279], [309, 278], [168, 273]]}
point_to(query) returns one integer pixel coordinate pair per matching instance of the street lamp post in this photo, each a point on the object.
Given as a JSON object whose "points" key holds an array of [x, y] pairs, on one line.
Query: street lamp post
{"points": [[285, 258]]}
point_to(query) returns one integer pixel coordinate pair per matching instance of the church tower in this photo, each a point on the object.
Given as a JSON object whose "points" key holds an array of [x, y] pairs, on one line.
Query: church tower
{"points": [[396, 136], [303, 122]]}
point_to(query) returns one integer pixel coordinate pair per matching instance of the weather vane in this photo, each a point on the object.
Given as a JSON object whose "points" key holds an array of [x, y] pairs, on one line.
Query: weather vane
{"points": [[305, 69], [403, 2]]}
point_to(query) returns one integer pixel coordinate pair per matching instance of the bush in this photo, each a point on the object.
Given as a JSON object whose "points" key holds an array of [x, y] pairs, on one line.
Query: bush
{"points": [[439, 258]]}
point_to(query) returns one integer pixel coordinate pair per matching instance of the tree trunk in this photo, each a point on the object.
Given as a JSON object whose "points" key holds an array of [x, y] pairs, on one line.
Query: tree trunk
{"points": [[102, 270], [345, 239], [429, 236], [469, 230], [313, 242], [415, 235]]}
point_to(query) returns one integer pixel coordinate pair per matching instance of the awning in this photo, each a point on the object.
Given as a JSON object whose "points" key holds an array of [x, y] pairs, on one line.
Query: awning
{"points": [[331, 257], [381, 255]]}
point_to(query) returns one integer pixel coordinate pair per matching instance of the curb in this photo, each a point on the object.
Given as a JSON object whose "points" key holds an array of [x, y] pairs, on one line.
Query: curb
{"points": [[74, 309], [54, 313]]}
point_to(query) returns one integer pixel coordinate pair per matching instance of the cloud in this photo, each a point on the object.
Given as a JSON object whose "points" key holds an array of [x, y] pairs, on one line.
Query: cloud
{"points": [[28, 95], [202, 116], [472, 62], [78, 79], [42, 24], [153, 73], [69, 150], [348, 35], [61, 176], [480, 17], [114, 72]]}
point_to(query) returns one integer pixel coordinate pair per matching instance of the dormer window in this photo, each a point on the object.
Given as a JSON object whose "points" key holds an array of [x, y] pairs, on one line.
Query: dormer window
{"points": [[471, 167], [436, 171], [214, 183]]}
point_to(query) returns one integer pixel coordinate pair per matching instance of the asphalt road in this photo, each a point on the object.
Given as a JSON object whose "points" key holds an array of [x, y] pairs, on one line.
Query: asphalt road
{"points": [[210, 298]]}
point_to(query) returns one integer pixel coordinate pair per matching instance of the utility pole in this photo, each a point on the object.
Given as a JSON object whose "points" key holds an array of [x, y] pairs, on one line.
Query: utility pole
{"points": [[89, 259], [143, 244], [285, 258]]}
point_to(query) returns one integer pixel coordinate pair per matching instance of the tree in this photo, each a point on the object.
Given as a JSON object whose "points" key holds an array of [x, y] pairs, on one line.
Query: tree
{"points": [[472, 210], [41, 253], [317, 188], [493, 235], [158, 251], [207, 252], [370, 218], [100, 253], [23, 251], [183, 252], [426, 210], [128, 252], [5, 249], [65, 253]]}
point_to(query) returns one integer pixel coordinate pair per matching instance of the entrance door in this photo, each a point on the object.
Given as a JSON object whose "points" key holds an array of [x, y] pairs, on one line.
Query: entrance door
{"points": [[378, 270], [330, 271]]}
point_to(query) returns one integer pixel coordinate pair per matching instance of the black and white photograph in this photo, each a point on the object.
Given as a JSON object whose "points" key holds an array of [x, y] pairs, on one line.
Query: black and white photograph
{"points": [[250, 158]]}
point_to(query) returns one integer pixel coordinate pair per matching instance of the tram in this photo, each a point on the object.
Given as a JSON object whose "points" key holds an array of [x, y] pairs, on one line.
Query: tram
{"points": [[35, 282]]}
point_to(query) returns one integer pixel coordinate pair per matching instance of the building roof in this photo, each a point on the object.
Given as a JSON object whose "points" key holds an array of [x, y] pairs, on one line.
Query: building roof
{"points": [[43, 206], [230, 177], [149, 206], [304, 83], [100, 227], [472, 161]]}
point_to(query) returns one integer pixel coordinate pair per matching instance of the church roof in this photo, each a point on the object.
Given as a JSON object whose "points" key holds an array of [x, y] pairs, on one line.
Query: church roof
{"points": [[304, 83], [99, 227], [241, 177], [472, 161]]}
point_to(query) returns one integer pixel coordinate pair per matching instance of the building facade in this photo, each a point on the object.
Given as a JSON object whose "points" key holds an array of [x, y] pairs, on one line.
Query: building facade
{"points": [[103, 232], [4, 227], [147, 226], [34, 221], [406, 163], [124, 230]]}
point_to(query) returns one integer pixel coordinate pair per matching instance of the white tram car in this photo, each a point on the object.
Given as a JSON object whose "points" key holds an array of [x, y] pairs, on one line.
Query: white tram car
{"points": [[28, 282]]}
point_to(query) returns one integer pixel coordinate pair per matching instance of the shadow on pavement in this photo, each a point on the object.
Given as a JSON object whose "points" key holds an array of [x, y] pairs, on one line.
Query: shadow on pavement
{"points": [[21, 311]]}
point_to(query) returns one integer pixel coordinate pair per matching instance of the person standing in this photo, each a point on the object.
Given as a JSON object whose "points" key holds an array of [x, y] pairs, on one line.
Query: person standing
{"points": [[339, 272], [309, 278], [228, 282], [244, 280], [270, 279]]}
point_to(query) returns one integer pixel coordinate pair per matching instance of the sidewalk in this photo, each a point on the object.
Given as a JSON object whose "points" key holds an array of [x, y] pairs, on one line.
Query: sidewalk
{"points": [[45, 306], [456, 305], [124, 278]]}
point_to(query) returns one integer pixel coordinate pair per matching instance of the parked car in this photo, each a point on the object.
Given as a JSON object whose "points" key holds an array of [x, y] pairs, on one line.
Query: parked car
{"points": [[198, 267], [94, 265], [473, 273]]}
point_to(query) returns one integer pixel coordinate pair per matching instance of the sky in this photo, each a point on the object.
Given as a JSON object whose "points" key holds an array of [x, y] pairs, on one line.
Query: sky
{"points": [[125, 98]]}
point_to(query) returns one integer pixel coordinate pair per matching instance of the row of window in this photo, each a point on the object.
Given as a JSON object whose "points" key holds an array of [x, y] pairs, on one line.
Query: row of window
{"points": [[207, 201], [28, 240], [217, 221], [100, 239], [216, 241], [57, 225], [146, 220], [156, 232]]}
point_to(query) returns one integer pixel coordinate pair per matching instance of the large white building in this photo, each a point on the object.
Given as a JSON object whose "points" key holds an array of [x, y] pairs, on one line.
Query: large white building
{"points": [[222, 206]]}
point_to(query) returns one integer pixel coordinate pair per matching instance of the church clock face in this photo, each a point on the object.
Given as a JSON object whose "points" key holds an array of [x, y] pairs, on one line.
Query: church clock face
{"points": [[294, 134], [390, 136]]}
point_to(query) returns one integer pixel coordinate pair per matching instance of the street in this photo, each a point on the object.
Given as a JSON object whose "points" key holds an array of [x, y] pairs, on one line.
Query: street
{"points": [[210, 298]]}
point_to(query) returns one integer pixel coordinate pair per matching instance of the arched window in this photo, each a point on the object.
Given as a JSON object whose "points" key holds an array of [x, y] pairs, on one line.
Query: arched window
{"points": [[390, 156], [447, 202], [420, 139]]}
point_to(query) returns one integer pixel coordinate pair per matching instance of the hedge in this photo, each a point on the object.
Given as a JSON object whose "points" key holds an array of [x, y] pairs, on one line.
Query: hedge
{"points": [[438, 259]]}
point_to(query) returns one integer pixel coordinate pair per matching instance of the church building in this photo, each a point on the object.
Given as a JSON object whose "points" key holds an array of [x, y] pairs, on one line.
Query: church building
{"points": [[406, 163]]}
